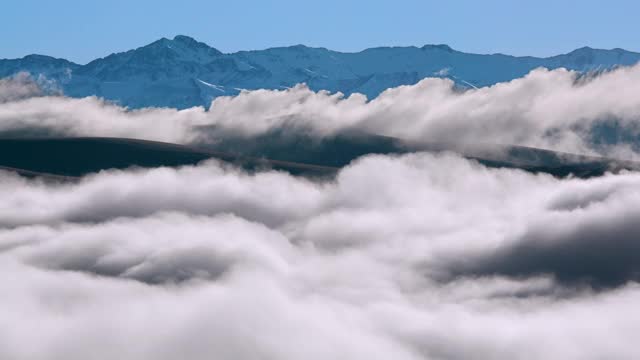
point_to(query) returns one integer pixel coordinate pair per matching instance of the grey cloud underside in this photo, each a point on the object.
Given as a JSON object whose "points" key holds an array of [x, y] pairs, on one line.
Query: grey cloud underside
{"points": [[182, 72], [600, 252]]}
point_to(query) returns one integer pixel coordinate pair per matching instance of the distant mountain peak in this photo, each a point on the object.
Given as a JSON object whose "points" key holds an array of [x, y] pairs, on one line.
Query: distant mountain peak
{"points": [[34, 59], [185, 39], [442, 47], [182, 44], [190, 42], [162, 42], [38, 57], [183, 72], [584, 49]]}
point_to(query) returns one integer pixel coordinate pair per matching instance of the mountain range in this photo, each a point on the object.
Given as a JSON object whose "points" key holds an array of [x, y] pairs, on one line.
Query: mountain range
{"points": [[183, 72]]}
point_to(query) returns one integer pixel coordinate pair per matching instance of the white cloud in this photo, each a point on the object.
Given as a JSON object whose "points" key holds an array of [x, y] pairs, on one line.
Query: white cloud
{"points": [[18, 87], [209, 261], [406, 257], [549, 109]]}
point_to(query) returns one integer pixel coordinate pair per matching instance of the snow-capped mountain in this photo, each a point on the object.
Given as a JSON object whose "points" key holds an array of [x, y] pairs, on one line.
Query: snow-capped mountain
{"points": [[182, 72]]}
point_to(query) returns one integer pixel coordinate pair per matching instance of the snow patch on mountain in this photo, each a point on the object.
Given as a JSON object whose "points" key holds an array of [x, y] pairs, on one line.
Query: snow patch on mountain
{"points": [[183, 72]]}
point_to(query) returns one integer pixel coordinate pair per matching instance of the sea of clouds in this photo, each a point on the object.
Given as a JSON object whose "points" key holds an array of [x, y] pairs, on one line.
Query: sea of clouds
{"points": [[419, 256], [559, 110]]}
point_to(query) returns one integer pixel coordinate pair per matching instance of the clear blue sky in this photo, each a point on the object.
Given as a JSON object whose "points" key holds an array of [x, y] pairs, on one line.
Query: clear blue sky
{"points": [[83, 30]]}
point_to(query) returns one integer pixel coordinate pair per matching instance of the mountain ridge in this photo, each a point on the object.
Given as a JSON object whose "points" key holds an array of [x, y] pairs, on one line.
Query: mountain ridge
{"points": [[183, 72], [425, 46]]}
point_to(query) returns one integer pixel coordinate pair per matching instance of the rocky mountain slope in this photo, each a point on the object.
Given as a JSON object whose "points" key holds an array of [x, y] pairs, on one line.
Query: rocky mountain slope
{"points": [[182, 72]]}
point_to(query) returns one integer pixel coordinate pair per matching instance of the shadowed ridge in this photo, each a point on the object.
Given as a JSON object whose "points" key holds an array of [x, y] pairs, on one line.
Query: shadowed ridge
{"points": [[74, 157], [297, 154]]}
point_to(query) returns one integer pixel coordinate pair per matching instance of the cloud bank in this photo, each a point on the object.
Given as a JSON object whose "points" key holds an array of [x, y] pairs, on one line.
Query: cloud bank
{"points": [[559, 110], [418, 256], [412, 257]]}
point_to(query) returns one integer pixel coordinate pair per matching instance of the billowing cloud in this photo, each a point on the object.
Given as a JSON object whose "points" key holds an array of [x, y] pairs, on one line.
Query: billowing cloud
{"points": [[559, 110], [412, 257], [415, 256]]}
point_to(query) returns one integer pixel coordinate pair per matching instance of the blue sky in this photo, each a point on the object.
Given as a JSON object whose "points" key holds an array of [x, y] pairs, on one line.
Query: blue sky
{"points": [[83, 30]]}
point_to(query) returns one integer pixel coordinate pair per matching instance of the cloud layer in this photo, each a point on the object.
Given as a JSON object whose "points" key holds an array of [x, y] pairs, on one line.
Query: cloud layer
{"points": [[558, 109], [418, 256], [410, 257]]}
